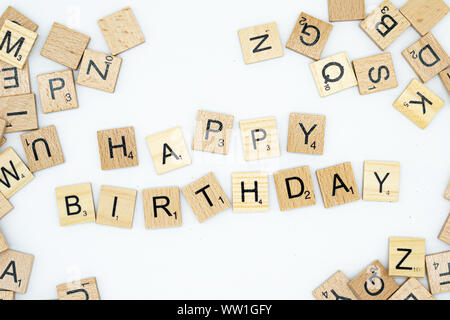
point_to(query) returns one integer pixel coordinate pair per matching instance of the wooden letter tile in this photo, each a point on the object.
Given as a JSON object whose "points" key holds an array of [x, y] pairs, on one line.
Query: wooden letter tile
{"points": [[20, 112], [12, 14], [412, 289], [424, 14], [75, 204], [438, 272], [16, 43], [5, 206], [15, 270], [162, 207], [14, 174], [346, 10], [7, 295], [3, 243], [335, 288], [444, 235], [85, 289], [117, 148], [445, 77], [250, 191], [306, 133], [14, 81], [381, 181], [57, 91], [260, 138], [116, 207], [406, 257]]}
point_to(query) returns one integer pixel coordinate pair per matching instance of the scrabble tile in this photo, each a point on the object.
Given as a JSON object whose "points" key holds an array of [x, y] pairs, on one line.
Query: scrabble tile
{"points": [[260, 43], [85, 289], [260, 138], [99, 70], [412, 289], [5, 206], [424, 14], [373, 283], [346, 10], [121, 31], [306, 133], [16, 43], [162, 207], [117, 148], [212, 132], [75, 204], [335, 288], [206, 197], [375, 73], [445, 77], [3, 243], [381, 181], [7, 295], [294, 188], [57, 91], [385, 24], [42, 148], [168, 150], [438, 272], [116, 207], [14, 174], [65, 46], [20, 112], [406, 257], [418, 103], [250, 191], [333, 74], [15, 16], [13, 80], [15, 270], [444, 235], [309, 36], [426, 57], [337, 185]]}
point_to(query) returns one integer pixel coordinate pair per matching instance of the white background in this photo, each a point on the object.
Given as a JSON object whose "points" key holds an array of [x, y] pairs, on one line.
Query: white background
{"points": [[192, 60]]}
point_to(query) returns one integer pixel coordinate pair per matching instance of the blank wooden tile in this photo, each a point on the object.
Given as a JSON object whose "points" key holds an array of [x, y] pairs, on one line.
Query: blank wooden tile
{"points": [[375, 73], [7, 295], [418, 103], [99, 70], [15, 270], [13, 80], [424, 14], [65, 46], [412, 289], [444, 235], [5, 206], [438, 272], [333, 74], [250, 191], [162, 207], [445, 78], [212, 132], [12, 14], [75, 204], [385, 24], [20, 112], [337, 185], [206, 197], [16, 43], [42, 148], [306, 133], [260, 43], [335, 288], [85, 289], [260, 138], [57, 91], [294, 188], [168, 150], [3, 243], [116, 207], [427, 57], [14, 173], [406, 257], [381, 181], [117, 148], [346, 10], [309, 36], [121, 31]]}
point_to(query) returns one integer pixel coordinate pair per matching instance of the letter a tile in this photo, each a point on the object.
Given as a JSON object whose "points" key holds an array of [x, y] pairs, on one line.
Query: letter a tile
{"points": [[117, 148], [15, 270]]}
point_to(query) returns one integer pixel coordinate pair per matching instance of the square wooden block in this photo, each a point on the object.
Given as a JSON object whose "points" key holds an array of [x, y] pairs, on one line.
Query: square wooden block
{"points": [[57, 91], [75, 204], [412, 289], [427, 57], [16, 43], [168, 150], [294, 188], [438, 272], [375, 73], [206, 197], [335, 288], [260, 43], [65, 46], [337, 185], [445, 78], [15, 270], [385, 24], [373, 283], [406, 257], [381, 181], [260, 138], [13, 80], [5, 206], [306, 133], [42, 148], [7, 295], [121, 31], [212, 132], [162, 207], [333, 74], [20, 112], [424, 14], [418, 103], [85, 289], [14, 174], [309, 36], [12, 14], [117, 148], [444, 235], [116, 207], [3, 243], [346, 10], [99, 70], [250, 191]]}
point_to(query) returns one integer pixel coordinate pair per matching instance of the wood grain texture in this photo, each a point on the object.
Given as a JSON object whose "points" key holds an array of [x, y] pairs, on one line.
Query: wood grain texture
{"points": [[18, 174], [444, 235], [335, 288], [260, 138], [12, 14], [17, 43], [17, 269], [7, 295], [346, 10], [445, 78], [3, 124], [13, 80], [116, 207], [5, 206], [424, 14], [75, 204], [438, 272], [117, 148], [306, 133], [3, 243], [57, 91], [162, 207], [250, 191], [20, 112], [406, 257], [381, 181], [85, 289], [412, 289]]}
